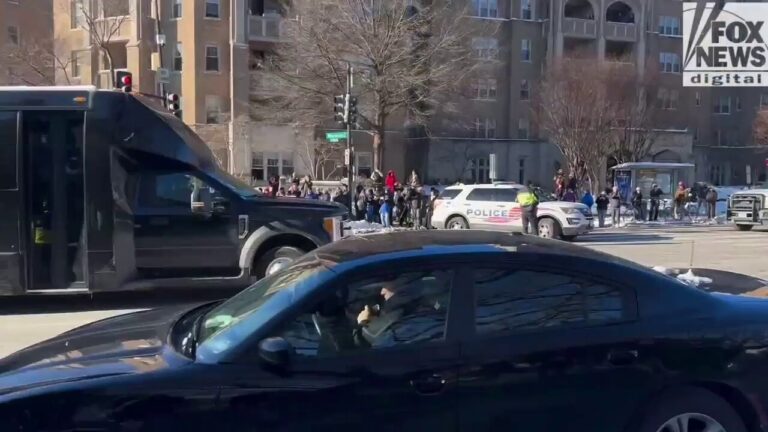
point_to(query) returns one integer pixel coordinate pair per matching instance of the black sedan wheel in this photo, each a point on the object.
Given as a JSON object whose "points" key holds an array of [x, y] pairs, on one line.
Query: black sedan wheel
{"points": [[692, 410]]}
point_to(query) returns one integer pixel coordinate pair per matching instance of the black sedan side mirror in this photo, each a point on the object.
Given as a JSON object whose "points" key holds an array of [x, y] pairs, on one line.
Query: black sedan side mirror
{"points": [[276, 353]]}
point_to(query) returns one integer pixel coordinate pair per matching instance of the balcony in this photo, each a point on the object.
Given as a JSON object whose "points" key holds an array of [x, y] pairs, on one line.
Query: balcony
{"points": [[620, 32], [265, 28], [580, 28]]}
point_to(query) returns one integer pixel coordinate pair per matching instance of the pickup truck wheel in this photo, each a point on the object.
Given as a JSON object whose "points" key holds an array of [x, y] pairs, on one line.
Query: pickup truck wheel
{"points": [[568, 238], [744, 227], [276, 259]]}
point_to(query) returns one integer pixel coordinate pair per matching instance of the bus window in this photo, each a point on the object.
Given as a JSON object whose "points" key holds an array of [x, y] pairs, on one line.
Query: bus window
{"points": [[8, 150]]}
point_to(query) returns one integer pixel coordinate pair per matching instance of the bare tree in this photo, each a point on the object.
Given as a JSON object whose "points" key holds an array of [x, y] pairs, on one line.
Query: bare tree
{"points": [[406, 59], [322, 158], [103, 21], [575, 109], [634, 97], [760, 128], [37, 62]]}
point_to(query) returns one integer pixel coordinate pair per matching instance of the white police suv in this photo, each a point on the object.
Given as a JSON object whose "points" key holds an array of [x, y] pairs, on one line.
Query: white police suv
{"points": [[494, 207]]}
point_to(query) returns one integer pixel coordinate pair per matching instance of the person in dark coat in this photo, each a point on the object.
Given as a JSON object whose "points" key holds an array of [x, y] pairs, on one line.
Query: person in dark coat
{"points": [[711, 198], [655, 194], [274, 186], [602, 202], [616, 200], [637, 204]]}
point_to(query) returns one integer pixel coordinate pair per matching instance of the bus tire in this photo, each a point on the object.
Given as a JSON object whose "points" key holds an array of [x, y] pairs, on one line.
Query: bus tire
{"points": [[744, 227], [276, 259]]}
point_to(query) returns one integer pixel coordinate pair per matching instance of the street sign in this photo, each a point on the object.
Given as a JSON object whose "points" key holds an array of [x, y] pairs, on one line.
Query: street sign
{"points": [[335, 137], [163, 75], [346, 157]]}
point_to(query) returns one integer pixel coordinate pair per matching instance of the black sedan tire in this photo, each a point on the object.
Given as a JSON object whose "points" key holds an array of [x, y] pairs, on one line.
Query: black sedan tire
{"points": [[281, 256], [691, 409]]}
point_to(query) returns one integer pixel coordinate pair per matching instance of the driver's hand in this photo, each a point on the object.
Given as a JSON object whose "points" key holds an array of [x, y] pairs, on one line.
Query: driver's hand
{"points": [[364, 316]]}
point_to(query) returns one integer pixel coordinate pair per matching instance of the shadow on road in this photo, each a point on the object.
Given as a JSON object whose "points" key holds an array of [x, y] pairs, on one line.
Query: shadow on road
{"points": [[624, 237], [43, 304]]}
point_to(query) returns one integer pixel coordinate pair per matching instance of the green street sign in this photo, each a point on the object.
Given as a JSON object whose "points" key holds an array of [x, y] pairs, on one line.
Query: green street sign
{"points": [[335, 137]]}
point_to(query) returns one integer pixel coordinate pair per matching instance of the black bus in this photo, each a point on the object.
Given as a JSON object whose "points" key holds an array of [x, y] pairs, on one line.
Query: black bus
{"points": [[105, 191]]}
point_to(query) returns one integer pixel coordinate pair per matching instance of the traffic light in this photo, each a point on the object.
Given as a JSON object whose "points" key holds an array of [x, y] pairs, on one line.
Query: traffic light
{"points": [[352, 110], [173, 103], [340, 112], [124, 81]]}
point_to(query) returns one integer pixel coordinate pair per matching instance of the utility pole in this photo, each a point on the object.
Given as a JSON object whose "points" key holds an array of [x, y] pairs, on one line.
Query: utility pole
{"points": [[160, 45]]}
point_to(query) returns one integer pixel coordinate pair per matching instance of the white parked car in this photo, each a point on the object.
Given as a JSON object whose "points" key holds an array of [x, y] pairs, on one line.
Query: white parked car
{"points": [[494, 207]]}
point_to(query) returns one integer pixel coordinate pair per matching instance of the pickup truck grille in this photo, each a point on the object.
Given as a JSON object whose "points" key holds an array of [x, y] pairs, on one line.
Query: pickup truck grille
{"points": [[746, 202]]}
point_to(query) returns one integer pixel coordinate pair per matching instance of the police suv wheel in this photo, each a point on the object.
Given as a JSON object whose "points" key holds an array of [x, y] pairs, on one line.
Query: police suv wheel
{"points": [[276, 259], [548, 229], [457, 223]]}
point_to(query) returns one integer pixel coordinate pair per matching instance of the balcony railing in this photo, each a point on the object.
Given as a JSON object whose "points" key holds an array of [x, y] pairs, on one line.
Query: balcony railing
{"points": [[576, 27], [620, 31], [265, 28]]}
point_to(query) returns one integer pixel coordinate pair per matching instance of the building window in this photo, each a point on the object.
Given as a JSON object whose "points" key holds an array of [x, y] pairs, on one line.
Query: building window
{"points": [[667, 99], [75, 13], [738, 103], [212, 59], [13, 35], [74, 64], [522, 128], [480, 170], [526, 9], [669, 62], [212, 8], [273, 167], [722, 105], [212, 109], [257, 166], [115, 8], [521, 171], [485, 128], [763, 100], [485, 48], [364, 164], [484, 89], [178, 62], [696, 134], [698, 99], [669, 26], [287, 166], [718, 136], [256, 7], [525, 90], [525, 51], [486, 8], [176, 12]]}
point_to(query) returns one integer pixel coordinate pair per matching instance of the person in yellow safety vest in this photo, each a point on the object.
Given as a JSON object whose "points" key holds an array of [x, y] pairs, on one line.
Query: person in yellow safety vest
{"points": [[529, 203]]}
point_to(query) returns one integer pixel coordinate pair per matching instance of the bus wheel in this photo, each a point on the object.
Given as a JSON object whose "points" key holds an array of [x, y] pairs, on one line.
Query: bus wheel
{"points": [[744, 227], [277, 259]]}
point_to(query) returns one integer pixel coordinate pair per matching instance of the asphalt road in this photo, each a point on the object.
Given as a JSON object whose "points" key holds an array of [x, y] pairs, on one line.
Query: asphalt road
{"points": [[716, 247]]}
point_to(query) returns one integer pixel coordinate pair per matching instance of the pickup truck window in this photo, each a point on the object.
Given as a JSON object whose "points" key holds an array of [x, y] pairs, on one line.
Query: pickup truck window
{"points": [[175, 190]]}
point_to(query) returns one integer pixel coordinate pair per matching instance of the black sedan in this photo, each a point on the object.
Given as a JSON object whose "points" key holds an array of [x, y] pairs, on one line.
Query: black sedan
{"points": [[414, 331]]}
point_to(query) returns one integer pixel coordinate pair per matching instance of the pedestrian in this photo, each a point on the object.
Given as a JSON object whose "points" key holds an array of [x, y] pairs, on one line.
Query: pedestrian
{"points": [[701, 190], [529, 204], [637, 204], [559, 184], [569, 196], [360, 204], [415, 204], [313, 194], [370, 207], [433, 194], [711, 198], [616, 200], [655, 194], [588, 200], [391, 181], [602, 208], [281, 192], [573, 184], [274, 186], [385, 211], [680, 199]]}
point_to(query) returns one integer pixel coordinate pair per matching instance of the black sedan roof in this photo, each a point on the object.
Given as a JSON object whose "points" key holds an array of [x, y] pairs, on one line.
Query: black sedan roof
{"points": [[430, 242]]}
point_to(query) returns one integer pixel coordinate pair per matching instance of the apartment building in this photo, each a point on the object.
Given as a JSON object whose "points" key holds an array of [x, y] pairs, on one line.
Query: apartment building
{"points": [[711, 127], [26, 42]]}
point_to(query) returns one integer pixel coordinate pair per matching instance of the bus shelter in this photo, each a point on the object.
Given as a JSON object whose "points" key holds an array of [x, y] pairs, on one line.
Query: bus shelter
{"points": [[628, 176]]}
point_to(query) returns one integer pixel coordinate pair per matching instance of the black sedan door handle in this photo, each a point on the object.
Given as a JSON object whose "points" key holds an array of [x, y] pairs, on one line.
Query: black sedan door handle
{"points": [[622, 357], [430, 385]]}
